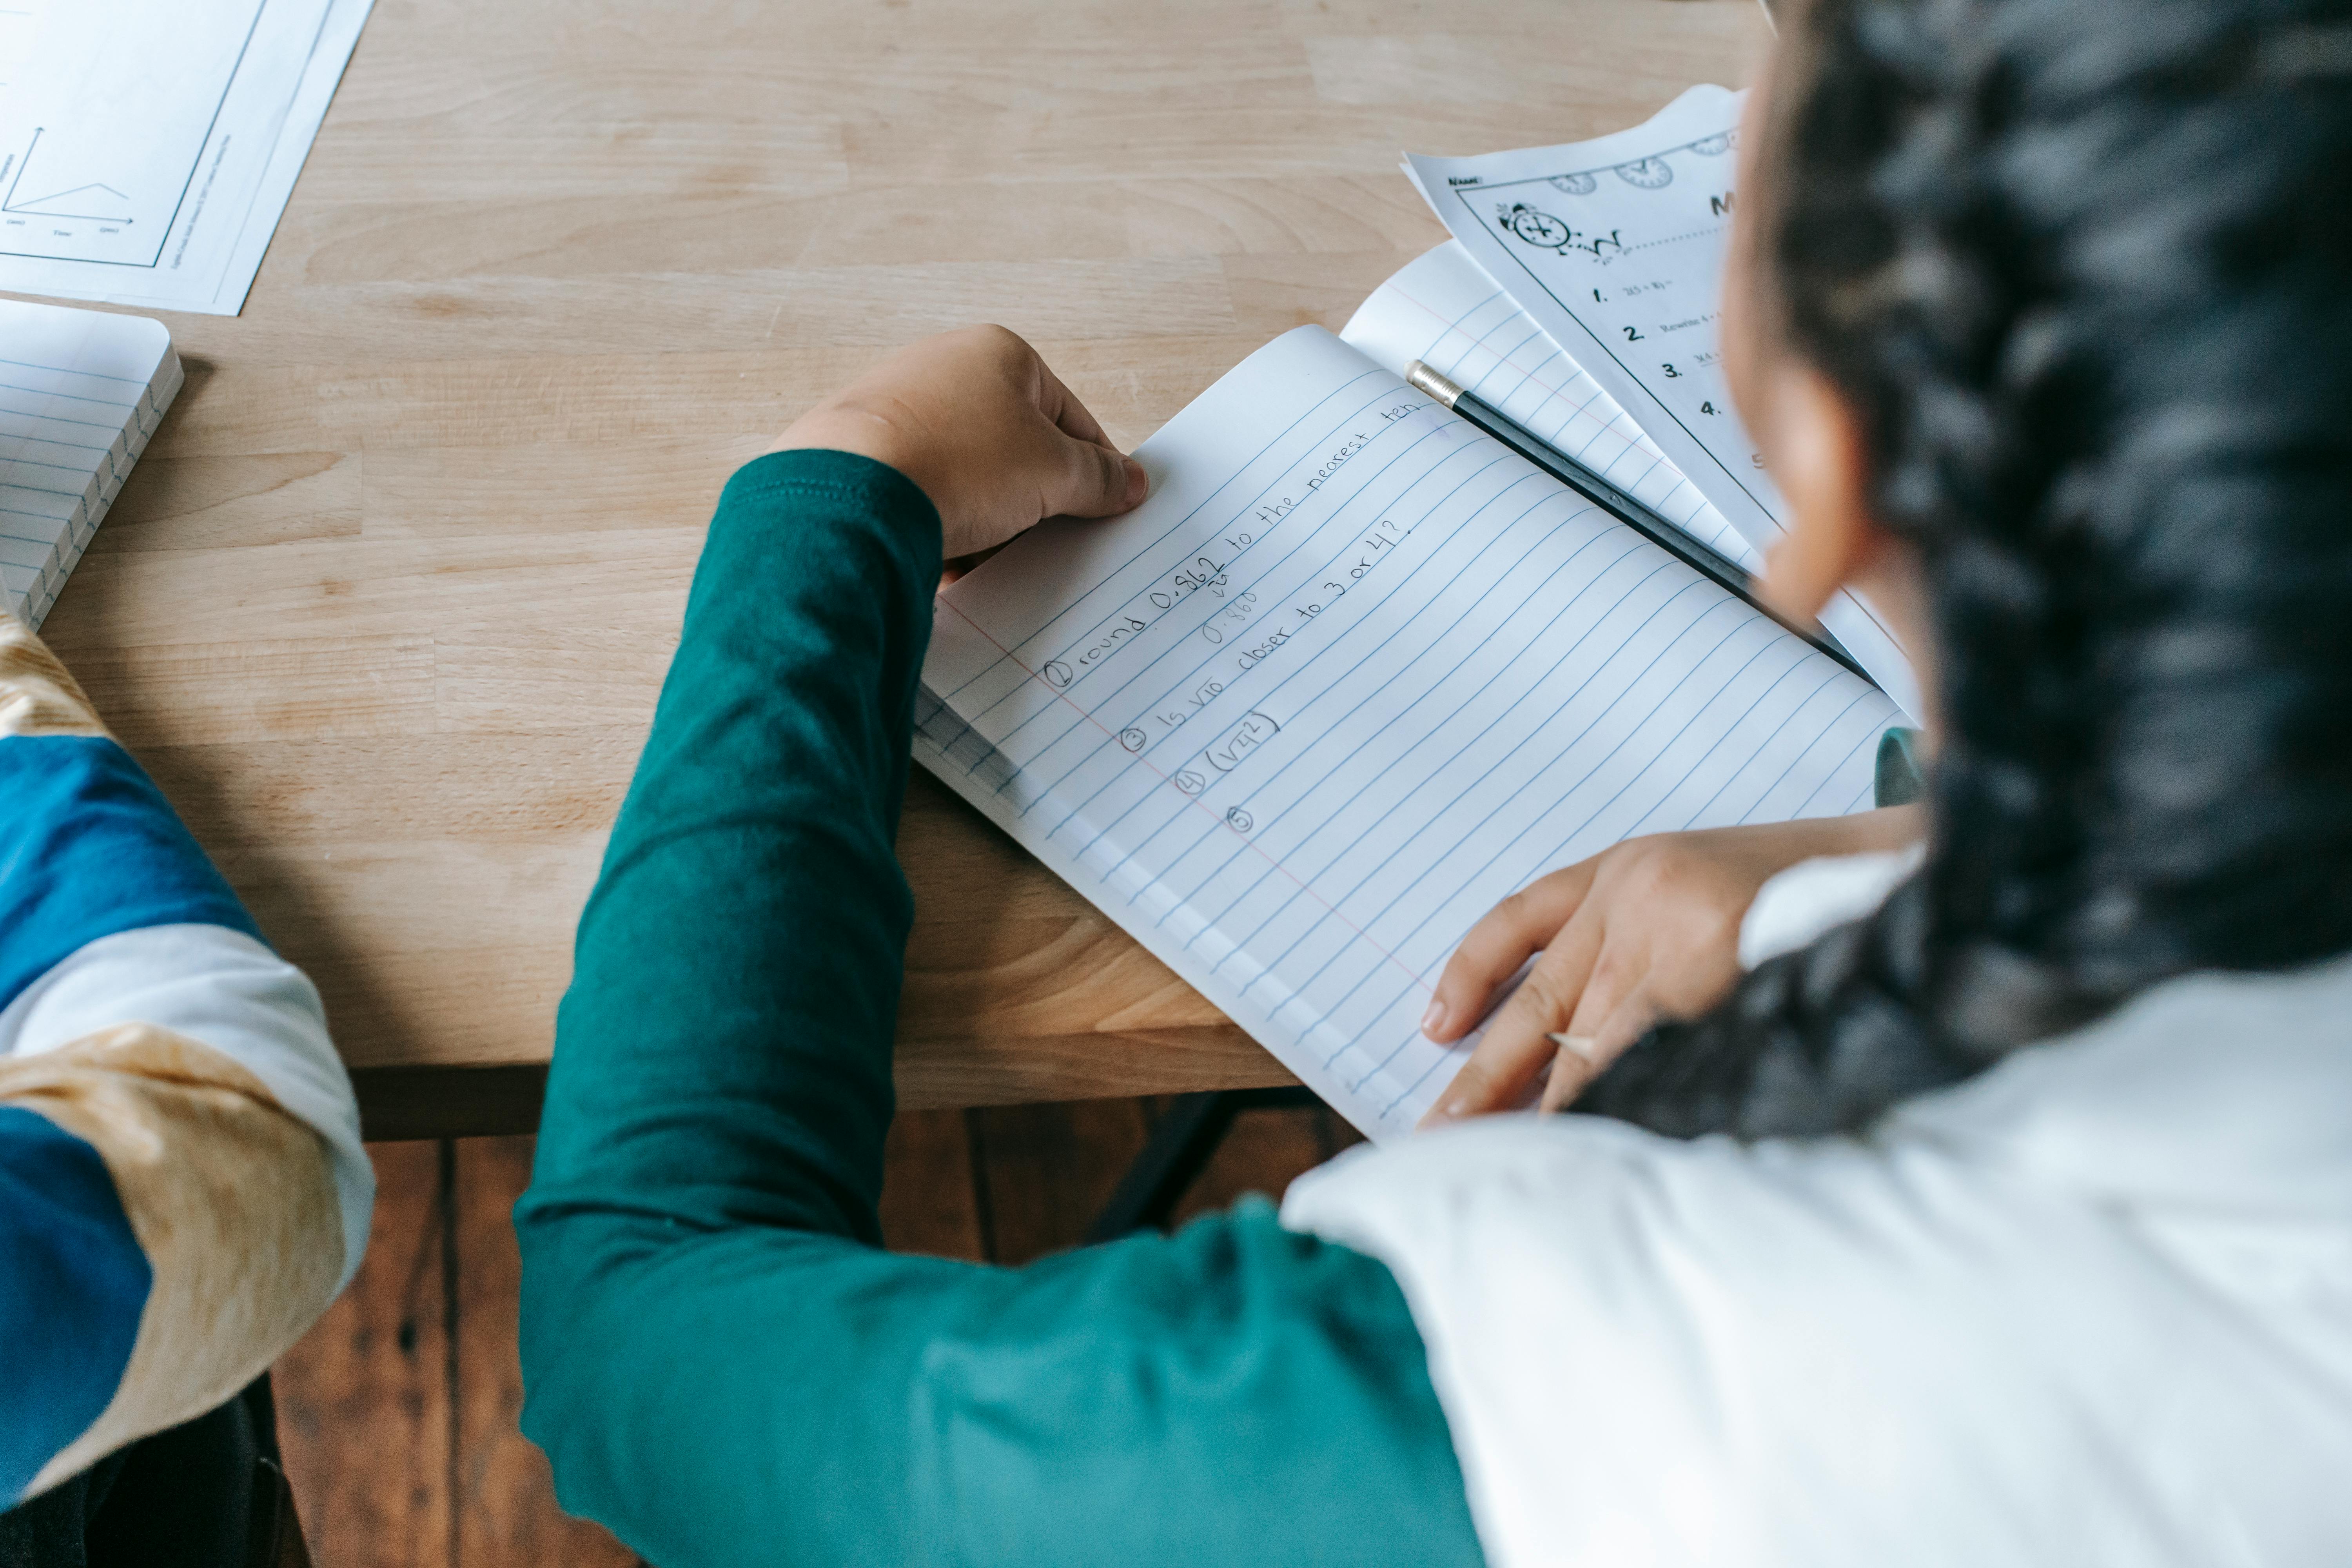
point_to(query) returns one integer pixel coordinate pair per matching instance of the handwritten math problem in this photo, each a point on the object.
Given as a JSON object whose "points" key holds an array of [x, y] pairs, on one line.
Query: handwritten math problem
{"points": [[1352, 674]]}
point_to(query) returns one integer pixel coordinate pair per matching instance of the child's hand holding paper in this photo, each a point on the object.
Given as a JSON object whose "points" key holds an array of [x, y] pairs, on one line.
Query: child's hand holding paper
{"points": [[976, 419]]}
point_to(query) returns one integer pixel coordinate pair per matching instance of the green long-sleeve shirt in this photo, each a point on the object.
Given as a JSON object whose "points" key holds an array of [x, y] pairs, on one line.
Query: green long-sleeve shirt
{"points": [[721, 1362]]}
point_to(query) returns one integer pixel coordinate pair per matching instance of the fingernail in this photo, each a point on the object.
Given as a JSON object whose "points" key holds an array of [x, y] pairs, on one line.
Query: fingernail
{"points": [[1444, 1112], [1434, 1019], [1138, 481], [1583, 1046]]}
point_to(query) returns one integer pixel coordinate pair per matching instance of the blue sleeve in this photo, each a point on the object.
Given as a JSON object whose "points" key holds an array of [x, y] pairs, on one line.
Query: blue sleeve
{"points": [[73, 1282], [88, 847]]}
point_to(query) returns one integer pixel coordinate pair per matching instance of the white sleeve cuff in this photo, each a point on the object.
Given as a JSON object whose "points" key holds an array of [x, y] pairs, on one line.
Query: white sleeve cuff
{"points": [[1812, 896], [220, 988]]}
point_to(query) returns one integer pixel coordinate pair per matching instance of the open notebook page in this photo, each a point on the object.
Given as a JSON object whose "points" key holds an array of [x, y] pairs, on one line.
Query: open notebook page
{"points": [[1614, 249], [1354, 672], [1442, 310], [81, 393]]}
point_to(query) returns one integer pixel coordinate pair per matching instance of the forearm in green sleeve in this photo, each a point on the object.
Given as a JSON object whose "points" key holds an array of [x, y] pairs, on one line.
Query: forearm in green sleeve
{"points": [[723, 1054], [719, 1364]]}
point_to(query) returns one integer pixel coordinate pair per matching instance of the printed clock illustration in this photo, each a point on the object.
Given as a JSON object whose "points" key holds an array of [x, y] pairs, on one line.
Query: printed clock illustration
{"points": [[1538, 228], [1545, 232]]}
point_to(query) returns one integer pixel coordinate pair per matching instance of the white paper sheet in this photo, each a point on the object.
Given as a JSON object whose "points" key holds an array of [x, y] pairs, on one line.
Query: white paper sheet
{"points": [[148, 147], [1614, 247], [1353, 673], [81, 393]]}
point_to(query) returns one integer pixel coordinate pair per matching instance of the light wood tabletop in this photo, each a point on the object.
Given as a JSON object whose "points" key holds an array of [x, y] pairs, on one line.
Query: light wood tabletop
{"points": [[386, 605]]}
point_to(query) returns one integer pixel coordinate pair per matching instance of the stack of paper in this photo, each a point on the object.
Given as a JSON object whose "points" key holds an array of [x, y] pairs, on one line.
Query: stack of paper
{"points": [[1614, 247], [81, 393]]}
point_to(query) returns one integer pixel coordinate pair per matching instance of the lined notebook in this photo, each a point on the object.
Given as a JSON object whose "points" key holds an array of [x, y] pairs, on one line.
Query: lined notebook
{"points": [[1354, 672], [80, 394]]}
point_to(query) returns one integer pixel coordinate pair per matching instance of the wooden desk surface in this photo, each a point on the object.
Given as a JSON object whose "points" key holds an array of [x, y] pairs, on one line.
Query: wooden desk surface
{"points": [[387, 605]]}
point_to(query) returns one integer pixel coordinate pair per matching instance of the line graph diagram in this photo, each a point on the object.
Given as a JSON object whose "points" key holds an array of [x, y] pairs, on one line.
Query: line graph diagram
{"points": [[112, 143], [148, 148], [96, 193]]}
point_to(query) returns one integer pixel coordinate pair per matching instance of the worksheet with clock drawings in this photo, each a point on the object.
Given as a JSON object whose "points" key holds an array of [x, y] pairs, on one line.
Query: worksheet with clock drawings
{"points": [[1615, 247]]}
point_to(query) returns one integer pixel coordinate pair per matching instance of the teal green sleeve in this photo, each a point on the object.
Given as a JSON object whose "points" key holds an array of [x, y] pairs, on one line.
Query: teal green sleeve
{"points": [[720, 1362], [1902, 776]]}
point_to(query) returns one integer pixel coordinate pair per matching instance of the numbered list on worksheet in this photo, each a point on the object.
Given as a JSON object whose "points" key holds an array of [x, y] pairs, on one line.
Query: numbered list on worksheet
{"points": [[1353, 673]]}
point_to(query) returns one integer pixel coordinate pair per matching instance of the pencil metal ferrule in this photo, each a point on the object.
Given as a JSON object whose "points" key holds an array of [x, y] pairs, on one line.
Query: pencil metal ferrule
{"points": [[1421, 377]]}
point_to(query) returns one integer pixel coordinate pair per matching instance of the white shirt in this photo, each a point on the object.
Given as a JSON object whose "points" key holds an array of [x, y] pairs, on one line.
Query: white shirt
{"points": [[2092, 1307]]}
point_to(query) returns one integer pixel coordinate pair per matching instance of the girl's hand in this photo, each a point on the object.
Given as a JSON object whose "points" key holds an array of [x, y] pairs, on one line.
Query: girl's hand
{"points": [[1646, 929], [984, 429]]}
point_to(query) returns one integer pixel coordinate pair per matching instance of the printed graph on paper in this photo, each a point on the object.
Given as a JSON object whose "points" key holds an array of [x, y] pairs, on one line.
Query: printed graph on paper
{"points": [[106, 128]]}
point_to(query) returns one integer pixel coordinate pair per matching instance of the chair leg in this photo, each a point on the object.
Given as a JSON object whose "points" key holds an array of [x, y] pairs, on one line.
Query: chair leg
{"points": [[277, 1540], [1174, 1157]]}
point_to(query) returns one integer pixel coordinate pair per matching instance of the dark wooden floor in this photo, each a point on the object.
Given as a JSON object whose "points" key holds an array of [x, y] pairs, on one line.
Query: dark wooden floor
{"points": [[397, 1412]]}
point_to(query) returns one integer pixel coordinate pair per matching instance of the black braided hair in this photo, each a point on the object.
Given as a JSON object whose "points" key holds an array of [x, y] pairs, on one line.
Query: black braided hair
{"points": [[2084, 269]]}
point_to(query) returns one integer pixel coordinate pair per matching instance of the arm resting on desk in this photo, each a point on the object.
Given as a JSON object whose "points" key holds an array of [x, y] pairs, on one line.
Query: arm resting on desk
{"points": [[182, 1185], [719, 1361]]}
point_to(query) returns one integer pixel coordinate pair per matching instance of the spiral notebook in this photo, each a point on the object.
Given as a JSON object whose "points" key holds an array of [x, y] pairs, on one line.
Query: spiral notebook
{"points": [[81, 392]]}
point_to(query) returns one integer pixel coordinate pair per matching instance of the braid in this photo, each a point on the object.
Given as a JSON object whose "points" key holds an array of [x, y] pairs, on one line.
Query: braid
{"points": [[2083, 270]]}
